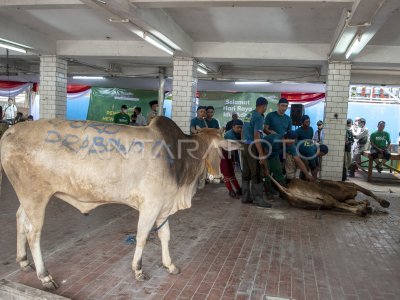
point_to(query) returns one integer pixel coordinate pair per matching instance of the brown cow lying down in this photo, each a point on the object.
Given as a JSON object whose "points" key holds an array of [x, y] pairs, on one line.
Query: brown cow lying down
{"points": [[328, 194]]}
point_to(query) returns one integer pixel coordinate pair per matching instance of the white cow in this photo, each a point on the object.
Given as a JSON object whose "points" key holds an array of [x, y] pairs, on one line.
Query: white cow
{"points": [[153, 169]]}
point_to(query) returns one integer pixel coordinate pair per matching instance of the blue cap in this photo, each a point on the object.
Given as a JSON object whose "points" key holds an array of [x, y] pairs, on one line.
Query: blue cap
{"points": [[261, 101], [323, 148], [283, 100], [305, 117], [291, 135], [237, 122]]}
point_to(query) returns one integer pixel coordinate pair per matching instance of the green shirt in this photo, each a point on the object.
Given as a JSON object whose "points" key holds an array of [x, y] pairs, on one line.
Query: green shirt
{"points": [[121, 118], [253, 122], [381, 139], [279, 124]]}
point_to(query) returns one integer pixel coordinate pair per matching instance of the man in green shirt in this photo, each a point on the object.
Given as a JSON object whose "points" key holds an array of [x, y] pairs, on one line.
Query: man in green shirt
{"points": [[380, 143], [122, 117]]}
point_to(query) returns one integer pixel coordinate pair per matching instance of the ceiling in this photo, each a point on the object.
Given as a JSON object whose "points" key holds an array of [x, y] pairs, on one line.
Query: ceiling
{"points": [[285, 40]]}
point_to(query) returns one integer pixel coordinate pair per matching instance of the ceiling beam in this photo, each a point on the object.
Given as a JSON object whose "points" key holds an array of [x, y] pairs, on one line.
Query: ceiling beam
{"points": [[228, 3], [362, 23], [25, 35], [155, 21], [98, 48], [379, 55], [267, 51], [39, 4]]}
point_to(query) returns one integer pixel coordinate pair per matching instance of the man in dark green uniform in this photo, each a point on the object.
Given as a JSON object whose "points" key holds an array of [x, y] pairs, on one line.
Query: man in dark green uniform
{"points": [[211, 122], [305, 131], [122, 117], [277, 122], [253, 156], [197, 123], [380, 143]]}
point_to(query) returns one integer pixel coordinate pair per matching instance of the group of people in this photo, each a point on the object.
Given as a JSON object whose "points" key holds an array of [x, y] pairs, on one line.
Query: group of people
{"points": [[10, 114], [357, 137], [270, 147], [136, 119]]}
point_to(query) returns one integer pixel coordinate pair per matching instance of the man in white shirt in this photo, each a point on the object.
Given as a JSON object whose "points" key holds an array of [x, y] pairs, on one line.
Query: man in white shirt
{"points": [[10, 112], [140, 119], [360, 141]]}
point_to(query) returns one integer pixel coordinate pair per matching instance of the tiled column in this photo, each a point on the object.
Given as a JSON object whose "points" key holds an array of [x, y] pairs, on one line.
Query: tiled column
{"points": [[337, 97], [184, 92], [53, 87]]}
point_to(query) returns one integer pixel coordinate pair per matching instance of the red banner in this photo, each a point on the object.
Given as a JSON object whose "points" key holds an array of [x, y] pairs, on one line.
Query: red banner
{"points": [[303, 97]]}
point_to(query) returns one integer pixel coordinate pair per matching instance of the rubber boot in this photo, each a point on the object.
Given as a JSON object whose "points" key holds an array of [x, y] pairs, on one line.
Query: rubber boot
{"points": [[246, 192], [257, 190]]}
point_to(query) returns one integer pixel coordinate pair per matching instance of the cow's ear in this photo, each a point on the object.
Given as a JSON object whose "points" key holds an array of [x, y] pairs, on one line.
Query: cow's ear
{"points": [[229, 145]]}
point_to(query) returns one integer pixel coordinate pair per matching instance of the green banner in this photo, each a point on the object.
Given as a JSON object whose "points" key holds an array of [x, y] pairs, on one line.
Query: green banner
{"points": [[226, 103], [106, 102]]}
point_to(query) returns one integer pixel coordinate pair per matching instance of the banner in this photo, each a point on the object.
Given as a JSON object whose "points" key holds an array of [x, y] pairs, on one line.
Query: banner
{"points": [[242, 103], [106, 102]]}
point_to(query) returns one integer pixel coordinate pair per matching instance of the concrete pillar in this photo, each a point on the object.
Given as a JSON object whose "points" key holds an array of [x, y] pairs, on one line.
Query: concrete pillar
{"points": [[184, 91], [337, 97], [53, 87]]}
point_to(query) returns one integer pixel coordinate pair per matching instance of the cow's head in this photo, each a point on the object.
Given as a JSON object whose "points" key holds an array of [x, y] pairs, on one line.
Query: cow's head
{"points": [[213, 145]]}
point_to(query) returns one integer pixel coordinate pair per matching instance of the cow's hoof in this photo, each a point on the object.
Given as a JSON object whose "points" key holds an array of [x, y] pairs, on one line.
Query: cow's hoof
{"points": [[384, 203], [26, 266], [140, 276], [49, 283], [172, 269], [369, 209], [362, 212]]}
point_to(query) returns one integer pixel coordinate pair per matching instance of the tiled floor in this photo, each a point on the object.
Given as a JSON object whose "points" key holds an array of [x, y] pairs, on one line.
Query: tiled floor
{"points": [[226, 250]]}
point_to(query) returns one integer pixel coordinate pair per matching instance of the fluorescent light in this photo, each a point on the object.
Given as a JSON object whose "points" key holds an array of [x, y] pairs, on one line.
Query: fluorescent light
{"points": [[156, 43], [15, 44], [166, 40], [15, 48], [201, 70], [354, 45], [88, 77], [252, 82], [118, 20]]}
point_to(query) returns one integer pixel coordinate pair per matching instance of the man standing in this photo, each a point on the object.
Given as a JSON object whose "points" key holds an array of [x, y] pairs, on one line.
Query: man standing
{"points": [[319, 135], [140, 119], [305, 132], [122, 117], [153, 112], [380, 143], [9, 112], [361, 140], [211, 122], [228, 125], [348, 144], [277, 122], [197, 123], [226, 166], [253, 156]]}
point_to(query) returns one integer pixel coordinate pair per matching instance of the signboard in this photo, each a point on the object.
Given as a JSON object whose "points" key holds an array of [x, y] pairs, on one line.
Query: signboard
{"points": [[106, 102], [242, 103]]}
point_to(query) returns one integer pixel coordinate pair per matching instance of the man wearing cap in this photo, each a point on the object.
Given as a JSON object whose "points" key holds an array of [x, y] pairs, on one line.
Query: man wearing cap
{"points": [[122, 117], [361, 140], [253, 156], [197, 123], [305, 131], [211, 122], [153, 111], [380, 143], [310, 154], [319, 135], [228, 125], [226, 166], [277, 122]]}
